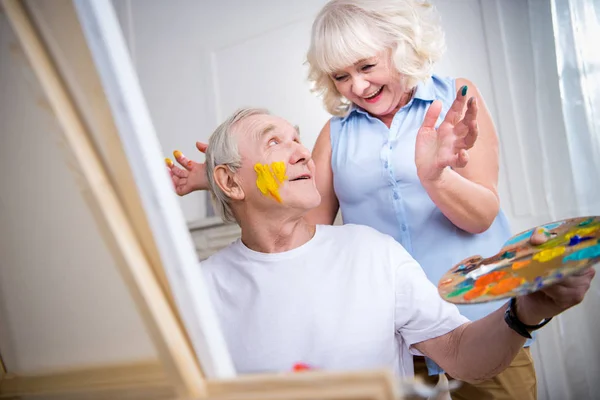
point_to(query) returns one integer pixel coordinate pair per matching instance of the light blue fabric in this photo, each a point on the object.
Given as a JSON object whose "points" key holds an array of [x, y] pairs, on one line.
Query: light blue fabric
{"points": [[376, 183]]}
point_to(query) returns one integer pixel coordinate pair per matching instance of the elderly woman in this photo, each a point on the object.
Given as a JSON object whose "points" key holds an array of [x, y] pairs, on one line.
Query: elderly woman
{"points": [[409, 153]]}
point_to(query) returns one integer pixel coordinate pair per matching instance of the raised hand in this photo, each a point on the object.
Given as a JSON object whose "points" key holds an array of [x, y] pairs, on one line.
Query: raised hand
{"points": [[447, 145], [192, 176]]}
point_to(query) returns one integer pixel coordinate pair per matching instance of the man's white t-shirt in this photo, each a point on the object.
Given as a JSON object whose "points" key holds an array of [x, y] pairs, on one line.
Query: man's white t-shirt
{"points": [[350, 298]]}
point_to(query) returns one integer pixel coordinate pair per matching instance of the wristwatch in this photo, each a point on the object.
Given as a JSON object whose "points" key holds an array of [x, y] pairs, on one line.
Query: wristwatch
{"points": [[514, 323]]}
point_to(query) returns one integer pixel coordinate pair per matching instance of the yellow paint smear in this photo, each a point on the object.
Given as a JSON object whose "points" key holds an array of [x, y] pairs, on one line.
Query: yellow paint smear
{"points": [[269, 178], [549, 254], [582, 232]]}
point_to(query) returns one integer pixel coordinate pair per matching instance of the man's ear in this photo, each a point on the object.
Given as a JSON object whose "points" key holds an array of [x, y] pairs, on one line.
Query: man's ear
{"points": [[226, 180]]}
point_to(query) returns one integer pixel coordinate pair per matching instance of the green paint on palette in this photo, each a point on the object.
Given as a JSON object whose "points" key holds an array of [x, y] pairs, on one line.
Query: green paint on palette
{"points": [[552, 243], [508, 254], [586, 222], [460, 291]]}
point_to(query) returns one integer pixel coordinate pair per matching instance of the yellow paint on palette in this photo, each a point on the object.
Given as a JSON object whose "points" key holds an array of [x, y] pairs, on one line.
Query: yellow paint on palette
{"points": [[585, 231], [549, 254], [269, 178]]}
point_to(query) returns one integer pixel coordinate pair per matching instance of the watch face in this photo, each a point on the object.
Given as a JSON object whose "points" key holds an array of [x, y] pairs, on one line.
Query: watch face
{"points": [[528, 262]]}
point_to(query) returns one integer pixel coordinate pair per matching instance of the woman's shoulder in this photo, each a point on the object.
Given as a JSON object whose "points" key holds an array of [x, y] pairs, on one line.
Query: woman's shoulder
{"points": [[444, 87], [449, 85]]}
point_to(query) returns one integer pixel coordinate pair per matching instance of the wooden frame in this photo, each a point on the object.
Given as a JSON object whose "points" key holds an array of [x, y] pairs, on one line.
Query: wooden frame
{"points": [[78, 54]]}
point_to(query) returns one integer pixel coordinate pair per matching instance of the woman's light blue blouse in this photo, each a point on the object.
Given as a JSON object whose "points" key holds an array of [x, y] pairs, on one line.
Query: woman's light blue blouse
{"points": [[376, 183]]}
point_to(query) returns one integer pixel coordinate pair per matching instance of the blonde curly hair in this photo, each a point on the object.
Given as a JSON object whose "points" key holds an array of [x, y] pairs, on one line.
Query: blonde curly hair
{"points": [[347, 31]]}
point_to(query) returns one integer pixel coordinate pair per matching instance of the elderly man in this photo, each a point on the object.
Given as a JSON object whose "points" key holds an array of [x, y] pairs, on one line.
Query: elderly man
{"points": [[337, 297]]}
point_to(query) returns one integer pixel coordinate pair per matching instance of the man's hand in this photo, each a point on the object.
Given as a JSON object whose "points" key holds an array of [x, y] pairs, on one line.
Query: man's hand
{"points": [[192, 176], [553, 300]]}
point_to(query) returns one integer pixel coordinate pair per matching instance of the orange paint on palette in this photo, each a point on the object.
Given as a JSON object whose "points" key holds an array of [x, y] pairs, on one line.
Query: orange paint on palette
{"points": [[520, 264], [505, 285], [446, 282], [474, 293], [489, 278]]}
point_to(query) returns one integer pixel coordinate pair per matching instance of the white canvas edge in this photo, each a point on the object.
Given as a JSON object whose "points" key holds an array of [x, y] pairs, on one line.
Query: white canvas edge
{"points": [[142, 148]]}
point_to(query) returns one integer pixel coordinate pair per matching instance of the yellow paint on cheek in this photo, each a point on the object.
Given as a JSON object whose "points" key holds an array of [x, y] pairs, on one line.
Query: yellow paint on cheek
{"points": [[269, 178]]}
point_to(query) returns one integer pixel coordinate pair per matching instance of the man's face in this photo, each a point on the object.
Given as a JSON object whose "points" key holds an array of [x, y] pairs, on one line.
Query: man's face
{"points": [[277, 170]]}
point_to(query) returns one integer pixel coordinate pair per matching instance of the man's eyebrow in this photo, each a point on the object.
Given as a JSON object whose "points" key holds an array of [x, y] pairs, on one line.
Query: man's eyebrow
{"points": [[297, 128], [265, 131]]}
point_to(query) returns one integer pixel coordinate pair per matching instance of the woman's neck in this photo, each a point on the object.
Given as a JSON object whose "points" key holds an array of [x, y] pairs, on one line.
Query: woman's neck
{"points": [[404, 100]]}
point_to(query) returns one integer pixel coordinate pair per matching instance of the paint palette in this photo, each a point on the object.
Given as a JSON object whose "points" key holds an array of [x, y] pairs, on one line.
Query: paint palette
{"points": [[521, 267]]}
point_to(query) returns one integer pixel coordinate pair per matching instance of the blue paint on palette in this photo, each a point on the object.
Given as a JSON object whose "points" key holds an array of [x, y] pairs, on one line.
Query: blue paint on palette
{"points": [[508, 254], [538, 282], [518, 238], [575, 240], [527, 234], [583, 254], [553, 225], [467, 283]]}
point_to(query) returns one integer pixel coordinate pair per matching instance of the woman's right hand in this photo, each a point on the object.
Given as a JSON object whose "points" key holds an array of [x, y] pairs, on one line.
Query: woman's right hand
{"points": [[192, 176]]}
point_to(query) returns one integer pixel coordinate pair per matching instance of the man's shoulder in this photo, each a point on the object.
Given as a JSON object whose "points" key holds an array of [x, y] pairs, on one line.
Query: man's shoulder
{"points": [[222, 257]]}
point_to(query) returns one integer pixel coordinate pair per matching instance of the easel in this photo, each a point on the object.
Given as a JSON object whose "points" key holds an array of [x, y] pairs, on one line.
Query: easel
{"points": [[77, 52]]}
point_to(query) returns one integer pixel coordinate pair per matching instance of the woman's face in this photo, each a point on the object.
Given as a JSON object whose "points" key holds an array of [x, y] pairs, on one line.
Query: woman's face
{"points": [[372, 84]]}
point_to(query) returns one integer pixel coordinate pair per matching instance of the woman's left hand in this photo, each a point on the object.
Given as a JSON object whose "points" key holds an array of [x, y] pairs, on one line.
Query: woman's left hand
{"points": [[447, 145]]}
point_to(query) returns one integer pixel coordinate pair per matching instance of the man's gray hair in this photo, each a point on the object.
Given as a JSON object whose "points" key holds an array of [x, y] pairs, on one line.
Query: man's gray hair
{"points": [[223, 150]]}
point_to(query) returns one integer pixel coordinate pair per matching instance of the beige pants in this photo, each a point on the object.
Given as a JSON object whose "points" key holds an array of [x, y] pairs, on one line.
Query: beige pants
{"points": [[518, 381]]}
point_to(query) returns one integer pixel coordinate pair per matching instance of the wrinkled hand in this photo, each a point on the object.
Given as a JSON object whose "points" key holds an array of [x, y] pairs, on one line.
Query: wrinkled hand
{"points": [[447, 145], [192, 176], [553, 300]]}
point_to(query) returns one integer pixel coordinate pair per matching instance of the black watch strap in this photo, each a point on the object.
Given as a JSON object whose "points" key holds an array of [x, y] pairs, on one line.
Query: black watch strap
{"points": [[514, 323]]}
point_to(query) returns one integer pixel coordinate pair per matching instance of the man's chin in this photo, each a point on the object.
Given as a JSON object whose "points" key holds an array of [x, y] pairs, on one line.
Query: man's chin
{"points": [[306, 204]]}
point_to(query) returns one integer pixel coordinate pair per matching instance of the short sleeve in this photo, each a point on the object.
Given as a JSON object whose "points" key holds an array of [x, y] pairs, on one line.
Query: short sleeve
{"points": [[420, 312]]}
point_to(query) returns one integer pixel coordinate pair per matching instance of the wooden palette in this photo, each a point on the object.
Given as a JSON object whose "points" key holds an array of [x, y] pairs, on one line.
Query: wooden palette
{"points": [[520, 267]]}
